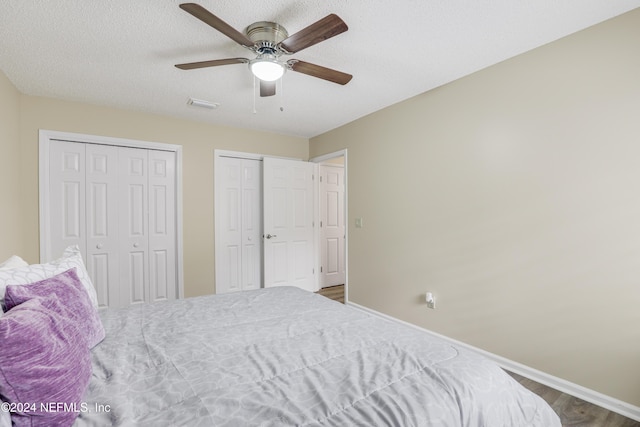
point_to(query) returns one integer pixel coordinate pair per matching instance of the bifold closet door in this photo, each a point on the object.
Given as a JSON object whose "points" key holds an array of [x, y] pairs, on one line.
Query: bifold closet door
{"points": [[239, 239], [163, 255], [67, 195], [119, 205], [133, 222], [147, 226], [83, 188], [102, 237]]}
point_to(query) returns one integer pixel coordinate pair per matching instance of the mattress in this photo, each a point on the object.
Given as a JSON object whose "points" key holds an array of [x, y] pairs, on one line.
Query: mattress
{"points": [[284, 356]]}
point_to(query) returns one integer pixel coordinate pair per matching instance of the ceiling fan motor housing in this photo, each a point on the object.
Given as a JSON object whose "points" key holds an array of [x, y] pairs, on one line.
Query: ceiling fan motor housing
{"points": [[265, 36]]}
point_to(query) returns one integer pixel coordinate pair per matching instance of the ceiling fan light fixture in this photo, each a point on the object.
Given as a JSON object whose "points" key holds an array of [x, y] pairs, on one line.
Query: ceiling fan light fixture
{"points": [[266, 68]]}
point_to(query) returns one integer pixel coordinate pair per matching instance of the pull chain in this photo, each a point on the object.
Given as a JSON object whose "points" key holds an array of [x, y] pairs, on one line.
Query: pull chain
{"points": [[254, 95], [281, 95]]}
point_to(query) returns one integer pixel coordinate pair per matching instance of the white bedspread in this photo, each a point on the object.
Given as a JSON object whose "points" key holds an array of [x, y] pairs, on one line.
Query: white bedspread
{"points": [[283, 356]]}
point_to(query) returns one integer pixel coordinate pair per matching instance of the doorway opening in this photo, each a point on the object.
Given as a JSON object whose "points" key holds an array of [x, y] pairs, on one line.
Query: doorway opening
{"points": [[332, 236]]}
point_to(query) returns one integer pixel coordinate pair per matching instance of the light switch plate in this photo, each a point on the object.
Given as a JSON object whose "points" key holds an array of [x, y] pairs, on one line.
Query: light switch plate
{"points": [[358, 222]]}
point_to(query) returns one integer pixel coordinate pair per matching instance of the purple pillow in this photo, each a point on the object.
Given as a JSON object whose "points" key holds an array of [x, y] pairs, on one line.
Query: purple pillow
{"points": [[43, 360], [65, 293]]}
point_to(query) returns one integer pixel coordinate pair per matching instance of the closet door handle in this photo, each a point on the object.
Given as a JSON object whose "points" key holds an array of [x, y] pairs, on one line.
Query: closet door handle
{"points": [[135, 245], [269, 236], [99, 246]]}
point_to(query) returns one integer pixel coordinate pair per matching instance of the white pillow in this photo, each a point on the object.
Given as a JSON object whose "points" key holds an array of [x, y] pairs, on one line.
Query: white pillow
{"points": [[5, 417], [13, 262], [36, 272]]}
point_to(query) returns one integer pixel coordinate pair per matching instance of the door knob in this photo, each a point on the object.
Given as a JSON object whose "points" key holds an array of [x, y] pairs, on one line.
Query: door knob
{"points": [[269, 236], [99, 246], [135, 245]]}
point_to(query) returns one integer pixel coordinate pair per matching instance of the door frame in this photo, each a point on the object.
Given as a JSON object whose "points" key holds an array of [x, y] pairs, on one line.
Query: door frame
{"points": [[44, 139], [321, 159], [323, 167]]}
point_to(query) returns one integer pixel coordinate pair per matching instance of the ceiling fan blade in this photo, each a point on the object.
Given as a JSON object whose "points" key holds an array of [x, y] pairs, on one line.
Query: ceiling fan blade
{"points": [[267, 88], [320, 72], [327, 27], [209, 18], [212, 63]]}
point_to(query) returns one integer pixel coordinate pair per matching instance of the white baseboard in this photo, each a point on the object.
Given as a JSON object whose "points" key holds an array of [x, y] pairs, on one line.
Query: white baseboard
{"points": [[591, 396]]}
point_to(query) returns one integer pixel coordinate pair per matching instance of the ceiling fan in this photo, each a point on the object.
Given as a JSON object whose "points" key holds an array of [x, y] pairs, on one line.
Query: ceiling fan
{"points": [[269, 41]]}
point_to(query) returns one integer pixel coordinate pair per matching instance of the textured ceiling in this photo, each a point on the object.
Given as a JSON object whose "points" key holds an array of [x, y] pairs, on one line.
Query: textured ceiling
{"points": [[121, 53]]}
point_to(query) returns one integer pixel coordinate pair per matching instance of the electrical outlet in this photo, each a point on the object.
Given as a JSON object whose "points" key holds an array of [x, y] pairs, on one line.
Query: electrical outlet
{"points": [[430, 299]]}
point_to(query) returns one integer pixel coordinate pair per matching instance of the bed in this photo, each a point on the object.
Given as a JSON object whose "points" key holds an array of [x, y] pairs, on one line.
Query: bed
{"points": [[270, 357], [284, 356]]}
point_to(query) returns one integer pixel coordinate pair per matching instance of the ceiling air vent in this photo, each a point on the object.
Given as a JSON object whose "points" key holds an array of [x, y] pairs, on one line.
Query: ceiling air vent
{"points": [[202, 103]]}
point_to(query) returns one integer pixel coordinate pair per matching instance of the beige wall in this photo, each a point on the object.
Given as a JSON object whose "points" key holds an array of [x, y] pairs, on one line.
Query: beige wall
{"points": [[10, 212], [198, 141], [514, 196]]}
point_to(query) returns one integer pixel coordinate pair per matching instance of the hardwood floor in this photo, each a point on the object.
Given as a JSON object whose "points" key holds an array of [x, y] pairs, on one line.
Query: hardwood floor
{"points": [[573, 412], [335, 293]]}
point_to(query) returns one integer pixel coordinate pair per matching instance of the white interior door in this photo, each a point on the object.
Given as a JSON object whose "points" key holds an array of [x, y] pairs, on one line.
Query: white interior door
{"points": [[289, 246], [162, 226], [119, 201], [238, 224], [332, 225], [251, 235], [134, 226], [67, 183], [102, 222], [228, 224]]}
